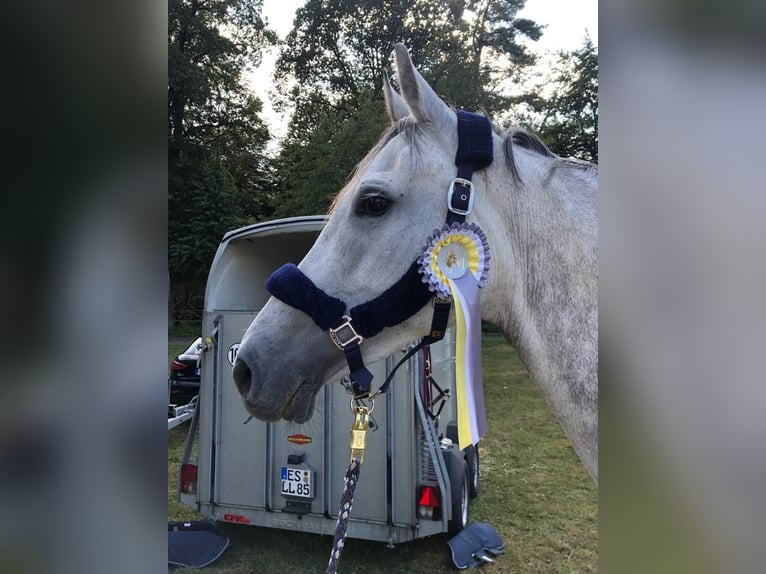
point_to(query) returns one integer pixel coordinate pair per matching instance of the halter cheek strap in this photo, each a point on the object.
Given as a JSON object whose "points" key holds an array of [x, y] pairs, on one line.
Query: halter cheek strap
{"points": [[474, 152]]}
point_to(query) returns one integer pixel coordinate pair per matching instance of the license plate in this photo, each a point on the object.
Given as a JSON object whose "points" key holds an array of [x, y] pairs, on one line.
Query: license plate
{"points": [[297, 482]]}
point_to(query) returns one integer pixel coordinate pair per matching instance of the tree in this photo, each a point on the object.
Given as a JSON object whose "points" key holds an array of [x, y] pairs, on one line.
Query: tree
{"points": [[210, 43], [482, 52], [336, 54], [219, 174], [568, 120], [315, 171]]}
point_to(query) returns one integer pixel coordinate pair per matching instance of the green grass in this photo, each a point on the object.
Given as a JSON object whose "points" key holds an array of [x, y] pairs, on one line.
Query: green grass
{"points": [[534, 491], [188, 329]]}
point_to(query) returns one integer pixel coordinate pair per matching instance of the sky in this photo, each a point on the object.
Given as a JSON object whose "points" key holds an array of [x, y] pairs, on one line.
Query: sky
{"points": [[567, 23]]}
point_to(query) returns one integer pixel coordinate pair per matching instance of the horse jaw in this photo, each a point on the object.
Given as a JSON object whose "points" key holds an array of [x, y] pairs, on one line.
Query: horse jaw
{"points": [[285, 359]]}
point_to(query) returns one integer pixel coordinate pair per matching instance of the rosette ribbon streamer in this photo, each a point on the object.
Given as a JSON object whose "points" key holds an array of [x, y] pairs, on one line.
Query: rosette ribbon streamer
{"points": [[455, 265]]}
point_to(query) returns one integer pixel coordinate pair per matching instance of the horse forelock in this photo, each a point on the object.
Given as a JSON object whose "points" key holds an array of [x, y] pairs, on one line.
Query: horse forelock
{"points": [[406, 127]]}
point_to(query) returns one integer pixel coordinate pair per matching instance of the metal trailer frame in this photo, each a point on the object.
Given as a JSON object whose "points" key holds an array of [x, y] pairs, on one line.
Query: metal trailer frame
{"points": [[179, 415], [236, 475]]}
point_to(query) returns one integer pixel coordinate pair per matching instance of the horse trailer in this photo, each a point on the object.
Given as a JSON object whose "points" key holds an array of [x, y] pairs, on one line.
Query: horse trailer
{"points": [[414, 481]]}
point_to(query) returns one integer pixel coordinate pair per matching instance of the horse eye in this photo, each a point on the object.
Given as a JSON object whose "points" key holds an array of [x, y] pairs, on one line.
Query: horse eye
{"points": [[375, 205]]}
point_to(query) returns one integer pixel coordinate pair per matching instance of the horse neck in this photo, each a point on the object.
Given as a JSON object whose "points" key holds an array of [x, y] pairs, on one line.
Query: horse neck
{"points": [[542, 288]]}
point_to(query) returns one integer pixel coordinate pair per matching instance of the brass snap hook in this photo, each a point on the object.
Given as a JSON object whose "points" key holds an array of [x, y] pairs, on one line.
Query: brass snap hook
{"points": [[359, 433]]}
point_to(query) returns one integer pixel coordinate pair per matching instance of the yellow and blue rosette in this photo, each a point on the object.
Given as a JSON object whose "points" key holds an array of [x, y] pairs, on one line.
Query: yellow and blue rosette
{"points": [[452, 251], [455, 265]]}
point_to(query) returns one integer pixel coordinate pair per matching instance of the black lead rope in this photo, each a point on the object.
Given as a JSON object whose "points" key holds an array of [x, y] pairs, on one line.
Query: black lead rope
{"points": [[384, 387], [438, 328]]}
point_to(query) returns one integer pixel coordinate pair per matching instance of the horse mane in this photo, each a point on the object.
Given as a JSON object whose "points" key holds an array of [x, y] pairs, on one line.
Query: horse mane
{"points": [[517, 136], [529, 141], [406, 127]]}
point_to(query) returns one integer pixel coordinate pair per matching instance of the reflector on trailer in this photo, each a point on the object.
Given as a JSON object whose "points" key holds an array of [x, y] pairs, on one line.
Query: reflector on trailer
{"points": [[429, 496], [189, 478]]}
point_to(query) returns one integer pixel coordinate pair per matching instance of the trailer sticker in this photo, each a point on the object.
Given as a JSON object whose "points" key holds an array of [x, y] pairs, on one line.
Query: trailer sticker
{"points": [[232, 353], [299, 439]]}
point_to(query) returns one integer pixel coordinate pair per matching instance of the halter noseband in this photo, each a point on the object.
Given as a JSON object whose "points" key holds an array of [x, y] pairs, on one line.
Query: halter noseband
{"points": [[347, 330], [405, 297]]}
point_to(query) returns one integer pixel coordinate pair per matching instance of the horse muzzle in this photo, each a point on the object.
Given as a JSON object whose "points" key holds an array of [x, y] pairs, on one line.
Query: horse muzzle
{"points": [[272, 402]]}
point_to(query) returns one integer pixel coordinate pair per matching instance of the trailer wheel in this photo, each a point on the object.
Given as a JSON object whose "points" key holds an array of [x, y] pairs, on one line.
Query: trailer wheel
{"points": [[472, 458], [459, 518]]}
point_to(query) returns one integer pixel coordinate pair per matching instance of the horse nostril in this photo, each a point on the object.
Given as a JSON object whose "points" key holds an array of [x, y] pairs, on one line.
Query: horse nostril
{"points": [[243, 377]]}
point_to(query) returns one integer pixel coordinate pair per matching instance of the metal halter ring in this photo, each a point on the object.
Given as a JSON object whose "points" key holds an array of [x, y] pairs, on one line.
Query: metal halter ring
{"points": [[351, 334], [356, 402]]}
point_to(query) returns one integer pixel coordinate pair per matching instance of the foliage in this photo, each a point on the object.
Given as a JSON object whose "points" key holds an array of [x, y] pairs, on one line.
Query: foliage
{"points": [[316, 170], [330, 69], [568, 120], [481, 53], [219, 175], [197, 223]]}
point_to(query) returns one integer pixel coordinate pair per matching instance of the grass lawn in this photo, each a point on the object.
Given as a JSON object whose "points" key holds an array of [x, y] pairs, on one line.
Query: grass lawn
{"points": [[534, 491]]}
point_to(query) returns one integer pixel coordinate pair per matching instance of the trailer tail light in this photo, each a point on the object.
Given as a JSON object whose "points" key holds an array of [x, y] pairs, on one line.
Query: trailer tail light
{"points": [[189, 478], [428, 501]]}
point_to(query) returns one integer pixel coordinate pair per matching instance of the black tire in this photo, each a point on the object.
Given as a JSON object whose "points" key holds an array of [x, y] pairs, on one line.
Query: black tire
{"points": [[459, 518], [451, 432], [472, 458]]}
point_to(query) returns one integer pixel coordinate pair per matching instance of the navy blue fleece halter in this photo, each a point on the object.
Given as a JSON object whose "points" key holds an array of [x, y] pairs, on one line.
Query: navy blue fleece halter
{"points": [[395, 305], [405, 297]]}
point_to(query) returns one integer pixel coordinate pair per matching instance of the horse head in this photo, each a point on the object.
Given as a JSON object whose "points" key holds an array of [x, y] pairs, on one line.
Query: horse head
{"points": [[539, 215], [379, 225]]}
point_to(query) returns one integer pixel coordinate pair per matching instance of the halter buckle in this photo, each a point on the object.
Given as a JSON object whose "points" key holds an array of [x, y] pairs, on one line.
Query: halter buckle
{"points": [[469, 192], [337, 337]]}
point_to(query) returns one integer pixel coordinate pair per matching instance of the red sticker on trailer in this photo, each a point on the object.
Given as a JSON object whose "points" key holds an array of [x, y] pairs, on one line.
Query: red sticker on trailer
{"points": [[299, 439], [238, 518]]}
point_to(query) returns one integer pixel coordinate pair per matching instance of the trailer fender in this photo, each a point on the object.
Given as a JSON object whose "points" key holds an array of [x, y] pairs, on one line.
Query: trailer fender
{"points": [[471, 456], [459, 489], [455, 461]]}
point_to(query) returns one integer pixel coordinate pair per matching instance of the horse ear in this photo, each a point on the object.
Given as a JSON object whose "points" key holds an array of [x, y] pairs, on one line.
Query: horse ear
{"points": [[395, 105], [426, 106]]}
